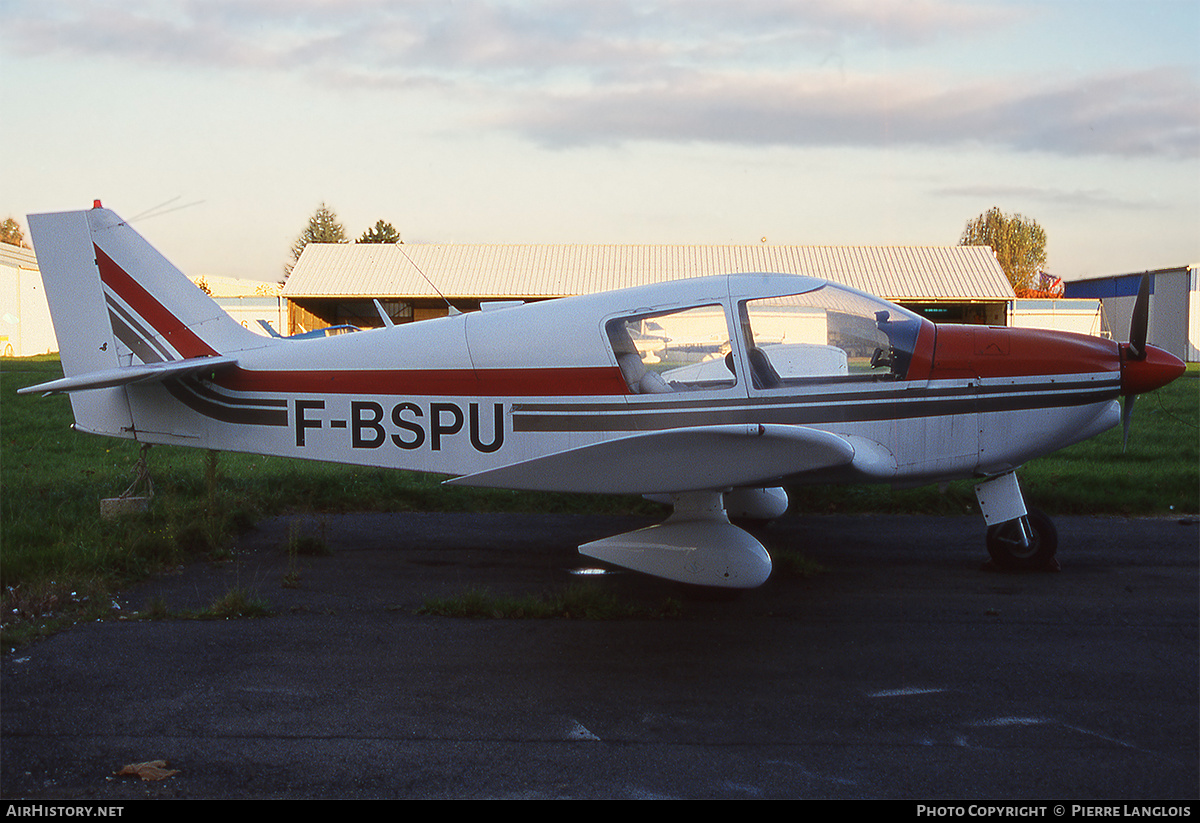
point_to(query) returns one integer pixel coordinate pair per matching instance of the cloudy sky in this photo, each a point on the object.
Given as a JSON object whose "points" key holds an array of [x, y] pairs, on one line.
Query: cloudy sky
{"points": [[610, 121]]}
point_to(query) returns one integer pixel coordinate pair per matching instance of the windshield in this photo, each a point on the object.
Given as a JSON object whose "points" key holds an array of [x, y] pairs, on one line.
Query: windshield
{"points": [[830, 332]]}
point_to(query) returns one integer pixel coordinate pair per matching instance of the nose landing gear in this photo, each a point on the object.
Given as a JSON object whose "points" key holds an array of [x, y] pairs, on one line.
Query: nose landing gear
{"points": [[1018, 539]]}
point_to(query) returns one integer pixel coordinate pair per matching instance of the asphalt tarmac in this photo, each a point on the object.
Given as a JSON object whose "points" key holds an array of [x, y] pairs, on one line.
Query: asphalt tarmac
{"points": [[903, 669]]}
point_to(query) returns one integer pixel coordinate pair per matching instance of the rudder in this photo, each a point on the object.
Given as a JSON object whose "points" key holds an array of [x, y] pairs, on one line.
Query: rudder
{"points": [[75, 295], [74, 292]]}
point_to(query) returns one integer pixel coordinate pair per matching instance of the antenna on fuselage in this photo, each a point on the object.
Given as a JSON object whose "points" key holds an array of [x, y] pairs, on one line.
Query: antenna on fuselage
{"points": [[161, 209], [383, 315], [449, 305]]}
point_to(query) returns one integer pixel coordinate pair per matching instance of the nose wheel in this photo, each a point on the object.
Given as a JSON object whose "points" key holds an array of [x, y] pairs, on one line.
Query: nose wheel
{"points": [[1027, 543], [1018, 538]]}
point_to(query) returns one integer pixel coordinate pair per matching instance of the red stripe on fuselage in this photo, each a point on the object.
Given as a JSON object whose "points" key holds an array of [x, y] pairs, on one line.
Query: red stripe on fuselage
{"points": [[169, 327], [549, 382]]}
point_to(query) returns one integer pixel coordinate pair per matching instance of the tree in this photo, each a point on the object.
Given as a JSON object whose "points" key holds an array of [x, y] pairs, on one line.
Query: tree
{"points": [[323, 227], [381, 233], [10, 232], [1019, 244]]}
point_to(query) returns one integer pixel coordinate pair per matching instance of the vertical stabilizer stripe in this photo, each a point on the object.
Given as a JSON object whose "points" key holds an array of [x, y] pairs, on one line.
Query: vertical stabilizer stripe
{"points": [[168, 327]]}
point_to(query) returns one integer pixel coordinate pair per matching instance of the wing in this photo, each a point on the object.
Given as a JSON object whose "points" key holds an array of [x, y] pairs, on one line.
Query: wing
{"points": [[675, 460], [140, 373]]}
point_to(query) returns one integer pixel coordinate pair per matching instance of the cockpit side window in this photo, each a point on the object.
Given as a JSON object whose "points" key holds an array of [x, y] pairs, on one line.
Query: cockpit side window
{"points": [[674, 351], [829, 333]]}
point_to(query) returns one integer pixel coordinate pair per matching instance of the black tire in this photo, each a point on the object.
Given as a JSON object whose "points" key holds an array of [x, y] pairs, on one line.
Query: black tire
{"points": [[1007, 552]]}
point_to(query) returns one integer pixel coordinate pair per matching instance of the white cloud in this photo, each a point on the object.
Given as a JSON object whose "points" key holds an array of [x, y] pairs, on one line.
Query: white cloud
{"points": [[569, 73], [539, 39], [822, 121], [1152, 113]]}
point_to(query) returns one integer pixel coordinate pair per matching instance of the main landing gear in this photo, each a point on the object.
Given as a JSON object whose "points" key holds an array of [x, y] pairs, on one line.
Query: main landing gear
{"points": [[1018, 539]]}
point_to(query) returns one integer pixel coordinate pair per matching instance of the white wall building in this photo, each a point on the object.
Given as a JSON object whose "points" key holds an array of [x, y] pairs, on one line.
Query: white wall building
{"points": [[1082, 315], [250, 302], [25, 327]]}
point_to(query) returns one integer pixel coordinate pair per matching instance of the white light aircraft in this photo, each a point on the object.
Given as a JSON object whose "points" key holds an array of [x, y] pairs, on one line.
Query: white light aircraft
{"points": [[777, 379]]}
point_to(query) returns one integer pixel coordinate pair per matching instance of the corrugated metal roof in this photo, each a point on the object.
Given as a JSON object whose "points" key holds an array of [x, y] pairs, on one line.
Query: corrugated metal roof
{"points": [[18, 257], [535, 271]]}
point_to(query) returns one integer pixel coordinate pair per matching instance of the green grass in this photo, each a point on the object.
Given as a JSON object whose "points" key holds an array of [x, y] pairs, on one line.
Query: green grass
{"points": [[1158, 474], [57, 555], [235, 604]]}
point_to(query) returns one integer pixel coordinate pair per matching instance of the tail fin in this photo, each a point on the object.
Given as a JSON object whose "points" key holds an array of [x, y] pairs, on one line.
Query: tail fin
{"points": [[107, 285], [122, 313]]}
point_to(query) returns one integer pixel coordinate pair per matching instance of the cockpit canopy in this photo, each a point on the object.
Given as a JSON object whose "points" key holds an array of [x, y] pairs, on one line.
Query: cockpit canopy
{"points": [[826, 332]]}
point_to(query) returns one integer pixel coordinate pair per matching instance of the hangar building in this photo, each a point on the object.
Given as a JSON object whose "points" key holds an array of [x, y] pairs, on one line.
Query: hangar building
{"points": [[335, 284], [25, 327]]}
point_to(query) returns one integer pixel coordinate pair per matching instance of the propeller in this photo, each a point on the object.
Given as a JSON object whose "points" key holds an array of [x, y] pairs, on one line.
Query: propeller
{"points": [[1135, 349], [1140, 321], [1126, 416], [1144, 368]]}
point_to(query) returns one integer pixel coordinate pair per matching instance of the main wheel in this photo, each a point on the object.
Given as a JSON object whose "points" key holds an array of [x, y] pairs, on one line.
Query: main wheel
{"points": [[1008, 550]]}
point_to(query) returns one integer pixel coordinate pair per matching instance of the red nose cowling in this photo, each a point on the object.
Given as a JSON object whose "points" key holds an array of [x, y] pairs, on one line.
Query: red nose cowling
{"points": [[989, 351], [966, 351], [1155, 369]]}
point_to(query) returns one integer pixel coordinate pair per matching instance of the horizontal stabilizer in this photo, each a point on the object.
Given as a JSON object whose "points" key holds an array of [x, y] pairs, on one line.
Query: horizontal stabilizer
{"points": [[675, 460], [148, 373]]}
